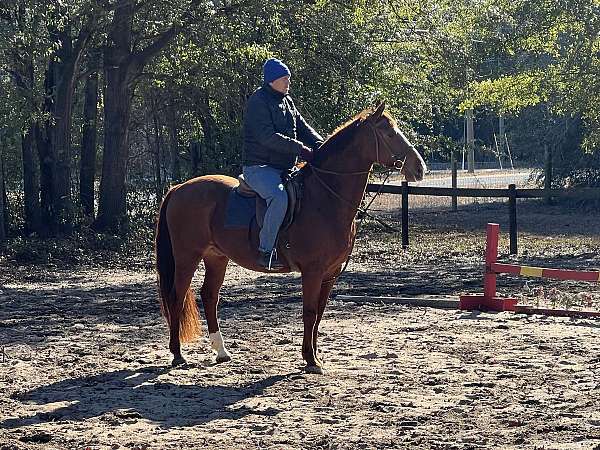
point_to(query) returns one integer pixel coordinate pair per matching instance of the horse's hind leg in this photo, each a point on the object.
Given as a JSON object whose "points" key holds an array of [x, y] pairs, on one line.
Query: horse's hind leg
{"points": [[184, 325], [214, 274]]}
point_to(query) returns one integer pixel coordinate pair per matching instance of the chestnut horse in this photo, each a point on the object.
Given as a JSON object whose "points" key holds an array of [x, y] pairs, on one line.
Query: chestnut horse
{"points": [[191, 228]]}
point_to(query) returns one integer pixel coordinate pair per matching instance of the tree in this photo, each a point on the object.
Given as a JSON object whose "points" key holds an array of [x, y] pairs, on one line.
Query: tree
{"points": [[19, 56], [123, 64], [552, 49], [54, 137], [87, 174], [48, 39]]}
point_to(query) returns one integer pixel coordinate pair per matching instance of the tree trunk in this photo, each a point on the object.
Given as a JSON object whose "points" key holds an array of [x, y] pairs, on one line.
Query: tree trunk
{"points": [[51, 142], [61, 144], [54, 145], [209, 144], [547, 173], [121, 67], [38, 188], [31, 182], [195, 157], [208, 149], [173, 135], [112, 208], [47, 222], [3, 215], [470, 140], [87, 172], [24, 80], [155, 163], [157, 159]]}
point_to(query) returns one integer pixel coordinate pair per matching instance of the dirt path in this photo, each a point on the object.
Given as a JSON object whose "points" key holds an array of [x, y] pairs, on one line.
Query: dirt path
{"points": [[86, 366], [84, 360]]}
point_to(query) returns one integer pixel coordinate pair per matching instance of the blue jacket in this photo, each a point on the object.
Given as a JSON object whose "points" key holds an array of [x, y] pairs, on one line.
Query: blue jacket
{"points": [[274, 130]]}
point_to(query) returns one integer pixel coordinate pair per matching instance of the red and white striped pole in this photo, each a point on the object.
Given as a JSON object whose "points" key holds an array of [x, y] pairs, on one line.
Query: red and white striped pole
{"points": [[489, 300]]}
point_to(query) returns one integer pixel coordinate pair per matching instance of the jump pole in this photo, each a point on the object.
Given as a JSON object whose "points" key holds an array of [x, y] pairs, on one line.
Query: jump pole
{"points": [[489, 301]]}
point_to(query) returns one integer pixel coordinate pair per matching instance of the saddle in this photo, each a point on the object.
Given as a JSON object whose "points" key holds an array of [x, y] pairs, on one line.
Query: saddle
{"points": [[293, 183]]}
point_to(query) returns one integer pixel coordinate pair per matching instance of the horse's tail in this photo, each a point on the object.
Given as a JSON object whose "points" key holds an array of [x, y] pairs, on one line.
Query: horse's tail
{"points": [[189, 320]]}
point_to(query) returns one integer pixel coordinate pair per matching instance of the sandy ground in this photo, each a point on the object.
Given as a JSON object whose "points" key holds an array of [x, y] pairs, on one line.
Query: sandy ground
{"points": [[84, 363]]}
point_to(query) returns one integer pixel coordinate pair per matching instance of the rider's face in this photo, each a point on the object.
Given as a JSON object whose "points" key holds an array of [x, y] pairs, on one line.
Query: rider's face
{"points": [[281, 84]]}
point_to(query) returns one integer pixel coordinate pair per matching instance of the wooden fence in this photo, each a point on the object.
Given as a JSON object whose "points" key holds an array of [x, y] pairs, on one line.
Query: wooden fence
{"points": [[512, 194]]}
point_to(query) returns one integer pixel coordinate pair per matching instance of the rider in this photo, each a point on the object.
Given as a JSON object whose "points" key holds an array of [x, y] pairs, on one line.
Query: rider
{"points": [[275, 134]]}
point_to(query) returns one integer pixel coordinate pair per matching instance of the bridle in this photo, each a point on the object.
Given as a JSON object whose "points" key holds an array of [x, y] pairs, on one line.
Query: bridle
{"points": [[396, 159]]}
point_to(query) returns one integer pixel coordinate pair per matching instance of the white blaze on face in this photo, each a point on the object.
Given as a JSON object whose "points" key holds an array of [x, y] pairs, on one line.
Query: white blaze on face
{"points": [[401, 134], [217, 344]]}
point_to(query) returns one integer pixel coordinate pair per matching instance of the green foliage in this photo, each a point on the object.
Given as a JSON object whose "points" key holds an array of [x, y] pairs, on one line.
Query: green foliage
{"points": [[534, 61], [552, 50], [507, 94]]}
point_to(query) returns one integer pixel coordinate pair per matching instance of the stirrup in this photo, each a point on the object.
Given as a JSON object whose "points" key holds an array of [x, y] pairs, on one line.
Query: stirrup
{"points": [[270, 262]]}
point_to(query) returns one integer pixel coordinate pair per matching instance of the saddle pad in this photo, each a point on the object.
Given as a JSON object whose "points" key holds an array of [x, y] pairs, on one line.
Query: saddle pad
{"points": [[240, 210]]}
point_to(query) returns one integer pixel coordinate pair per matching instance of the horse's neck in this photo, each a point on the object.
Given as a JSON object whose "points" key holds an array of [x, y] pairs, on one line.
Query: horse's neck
{"points": [[349, 189]]}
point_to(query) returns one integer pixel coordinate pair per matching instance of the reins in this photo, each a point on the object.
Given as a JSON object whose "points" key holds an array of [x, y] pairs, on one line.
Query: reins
{"points": [[332, 172], [364, 213]]}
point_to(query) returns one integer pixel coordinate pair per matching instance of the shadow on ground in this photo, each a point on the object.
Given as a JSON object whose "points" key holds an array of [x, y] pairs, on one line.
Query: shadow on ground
{"points": [[126, 394]]}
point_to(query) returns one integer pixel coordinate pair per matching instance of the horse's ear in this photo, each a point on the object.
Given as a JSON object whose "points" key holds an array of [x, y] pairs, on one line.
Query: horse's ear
{"points": [[376, 115]]}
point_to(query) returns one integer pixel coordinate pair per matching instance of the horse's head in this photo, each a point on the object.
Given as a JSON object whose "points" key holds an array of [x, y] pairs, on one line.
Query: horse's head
{"points": [[392, 148]]}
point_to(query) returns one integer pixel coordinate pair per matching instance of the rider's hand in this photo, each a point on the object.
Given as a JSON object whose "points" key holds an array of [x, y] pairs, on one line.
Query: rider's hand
{"points": [[306, 153]]}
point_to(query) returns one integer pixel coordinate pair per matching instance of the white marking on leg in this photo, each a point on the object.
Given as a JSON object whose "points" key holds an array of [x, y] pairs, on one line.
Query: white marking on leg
{"points": [[218, 346]]}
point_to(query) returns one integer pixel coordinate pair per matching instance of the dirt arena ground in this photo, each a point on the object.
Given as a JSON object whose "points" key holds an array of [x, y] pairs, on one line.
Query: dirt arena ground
{"points": [[84, 361]]}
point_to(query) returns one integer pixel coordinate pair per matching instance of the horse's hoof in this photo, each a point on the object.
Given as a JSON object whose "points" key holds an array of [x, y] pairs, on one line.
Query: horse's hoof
{"points": [[178, 362], [223, 358], [314, 369]]}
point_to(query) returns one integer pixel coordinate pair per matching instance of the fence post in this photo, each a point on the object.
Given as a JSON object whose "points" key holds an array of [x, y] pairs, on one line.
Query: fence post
{"points": [[405, 214], [489, 301], [454, 182], [512, 218]]}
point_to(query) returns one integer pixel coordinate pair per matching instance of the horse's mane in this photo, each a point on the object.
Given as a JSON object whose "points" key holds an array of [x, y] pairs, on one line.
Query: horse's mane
{"points": [[342, 136]]}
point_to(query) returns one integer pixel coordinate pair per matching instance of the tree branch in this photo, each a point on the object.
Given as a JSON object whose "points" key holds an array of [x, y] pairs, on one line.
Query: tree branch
{"points": [[143, 56]]}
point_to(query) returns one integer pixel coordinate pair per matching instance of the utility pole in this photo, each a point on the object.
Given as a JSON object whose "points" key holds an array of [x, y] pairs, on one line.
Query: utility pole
{"points": [[470, 141], [501, 133], [547, 173]]}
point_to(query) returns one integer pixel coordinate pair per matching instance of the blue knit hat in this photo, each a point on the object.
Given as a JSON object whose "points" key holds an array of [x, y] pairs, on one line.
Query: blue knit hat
{"points": [[273, 69]]}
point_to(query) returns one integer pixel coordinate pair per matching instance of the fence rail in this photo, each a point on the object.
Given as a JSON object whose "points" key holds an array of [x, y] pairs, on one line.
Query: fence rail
{"points": [[511, 193], [584, 193]]}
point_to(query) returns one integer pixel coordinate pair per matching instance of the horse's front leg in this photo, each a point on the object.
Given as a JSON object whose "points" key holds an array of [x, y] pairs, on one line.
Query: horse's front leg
{"points": [[311, 289], [324, 293]]}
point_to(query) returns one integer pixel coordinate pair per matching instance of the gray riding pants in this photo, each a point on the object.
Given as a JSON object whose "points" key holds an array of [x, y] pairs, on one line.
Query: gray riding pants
{"points": [[266, 181]]}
